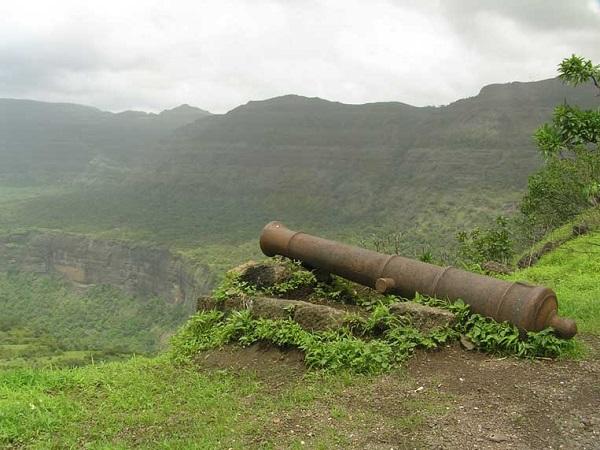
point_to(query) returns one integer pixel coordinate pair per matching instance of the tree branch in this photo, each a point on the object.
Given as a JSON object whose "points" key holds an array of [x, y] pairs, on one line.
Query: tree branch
{"points": [[595, 81]]}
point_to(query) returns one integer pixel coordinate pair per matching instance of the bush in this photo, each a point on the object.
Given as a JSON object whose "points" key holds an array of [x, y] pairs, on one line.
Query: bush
{"points": [[370, 344], [492, 244], [569, 182]]}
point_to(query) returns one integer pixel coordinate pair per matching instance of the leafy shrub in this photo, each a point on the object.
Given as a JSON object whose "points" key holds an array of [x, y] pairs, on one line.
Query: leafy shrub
{"points": [[298, 279], [570, 179], [562, 189], [492, 244], [369, 344], [502, 338], [233, 286]]}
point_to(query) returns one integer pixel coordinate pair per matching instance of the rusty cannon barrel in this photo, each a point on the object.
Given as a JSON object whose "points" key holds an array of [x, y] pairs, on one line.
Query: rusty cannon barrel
{"points": [[530, 308]]}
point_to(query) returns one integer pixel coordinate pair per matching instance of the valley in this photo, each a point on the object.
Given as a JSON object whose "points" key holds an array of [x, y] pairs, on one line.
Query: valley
{"points": [[300, 225], [157, 206]]}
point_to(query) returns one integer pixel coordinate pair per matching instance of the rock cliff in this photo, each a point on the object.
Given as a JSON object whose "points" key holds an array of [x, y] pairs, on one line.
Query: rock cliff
{"points": [[141, 270]]}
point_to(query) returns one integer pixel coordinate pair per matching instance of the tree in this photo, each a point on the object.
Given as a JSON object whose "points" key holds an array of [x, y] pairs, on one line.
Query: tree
{"points": [[570, 179]]}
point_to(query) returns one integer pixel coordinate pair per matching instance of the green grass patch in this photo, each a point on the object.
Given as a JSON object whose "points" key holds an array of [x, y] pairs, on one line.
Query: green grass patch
{"points": [[589, 218], [571, 270], [120, 405], [151, 403]]}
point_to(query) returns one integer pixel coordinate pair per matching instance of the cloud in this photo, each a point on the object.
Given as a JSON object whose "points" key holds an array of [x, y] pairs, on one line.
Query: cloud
{"points": [[220, 53]]}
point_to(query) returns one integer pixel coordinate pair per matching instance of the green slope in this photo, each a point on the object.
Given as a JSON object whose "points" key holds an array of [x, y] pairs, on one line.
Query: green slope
{"points": [[573, 271], [41, 142], [43, 317]]}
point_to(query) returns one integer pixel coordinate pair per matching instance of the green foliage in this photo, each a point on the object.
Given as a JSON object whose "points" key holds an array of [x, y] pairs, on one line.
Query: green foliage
{"points": [[21, 347], [298, 278], [365, 344], [301, 280], [571, 270], [492, 244], [571, 129], [101, 319], [343, 349], [233, 286], [577, 70], [502, 338], [144, 403], [196, 335], [426, 256], [505, 339], [369, 344], [569, 182], [221, 230], [137, 403], [562, 189], [343, 291]]}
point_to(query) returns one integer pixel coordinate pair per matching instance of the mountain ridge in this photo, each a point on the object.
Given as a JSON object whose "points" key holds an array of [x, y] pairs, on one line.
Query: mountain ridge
{"points": [[44, 140], [318, 165], [183, 106]]}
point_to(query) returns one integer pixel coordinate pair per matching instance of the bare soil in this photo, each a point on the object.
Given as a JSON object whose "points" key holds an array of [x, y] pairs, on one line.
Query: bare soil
{"points": [[511, 403], [447, 399]]}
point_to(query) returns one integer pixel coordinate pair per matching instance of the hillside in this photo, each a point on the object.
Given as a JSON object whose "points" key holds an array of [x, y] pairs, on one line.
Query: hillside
{"points": [[56, 141], [332, 168], [261, 397]]}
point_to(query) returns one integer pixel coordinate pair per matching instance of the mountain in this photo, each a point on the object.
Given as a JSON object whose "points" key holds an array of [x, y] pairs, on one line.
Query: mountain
{"points": [[328, 165], [58, 140], [294, 130], [332, 168]]}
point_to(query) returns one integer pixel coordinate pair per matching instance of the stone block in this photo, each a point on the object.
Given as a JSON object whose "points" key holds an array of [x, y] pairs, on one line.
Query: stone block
{"points": [[309, 316], [424, 318], [260, 274]]}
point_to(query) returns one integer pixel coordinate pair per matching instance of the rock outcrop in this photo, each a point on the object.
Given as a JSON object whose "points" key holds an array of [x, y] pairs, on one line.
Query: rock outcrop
{"points": [[424, 318], [310, 316], [141, 270]]}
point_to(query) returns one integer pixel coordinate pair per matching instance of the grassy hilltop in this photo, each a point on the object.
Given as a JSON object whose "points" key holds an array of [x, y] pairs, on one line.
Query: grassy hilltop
{"points": [[236, 381]]}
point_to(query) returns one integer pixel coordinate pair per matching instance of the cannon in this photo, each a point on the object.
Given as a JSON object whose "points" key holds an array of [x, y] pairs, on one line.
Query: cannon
{"points": [[530, 308]]}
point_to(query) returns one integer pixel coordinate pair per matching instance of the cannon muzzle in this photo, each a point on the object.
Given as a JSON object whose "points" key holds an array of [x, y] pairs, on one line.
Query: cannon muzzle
{"points": [[530, 308]]}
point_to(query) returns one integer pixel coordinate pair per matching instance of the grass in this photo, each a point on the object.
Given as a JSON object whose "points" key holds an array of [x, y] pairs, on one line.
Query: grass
{"points": [[116, 405], [572, 271], [589, 218], [152, 403]]}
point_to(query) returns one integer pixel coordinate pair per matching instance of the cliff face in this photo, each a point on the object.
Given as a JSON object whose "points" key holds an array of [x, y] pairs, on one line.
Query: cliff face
{"points": [[139, 270]]}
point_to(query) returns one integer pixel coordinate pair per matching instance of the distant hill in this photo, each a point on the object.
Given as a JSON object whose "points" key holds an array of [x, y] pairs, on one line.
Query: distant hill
{"points": [[329, 167], [58, 140], [293, 130]]}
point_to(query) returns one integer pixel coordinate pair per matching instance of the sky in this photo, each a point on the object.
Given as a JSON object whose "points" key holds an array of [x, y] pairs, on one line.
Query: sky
{"points": [[217, 54]]}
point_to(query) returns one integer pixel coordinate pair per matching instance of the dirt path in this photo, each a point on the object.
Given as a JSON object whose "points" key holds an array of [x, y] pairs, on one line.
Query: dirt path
{"points": [[450, 399], [511, 403]]}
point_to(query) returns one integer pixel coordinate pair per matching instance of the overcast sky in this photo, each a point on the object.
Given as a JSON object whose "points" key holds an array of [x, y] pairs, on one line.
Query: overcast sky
{"points": [[153, 54]]}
